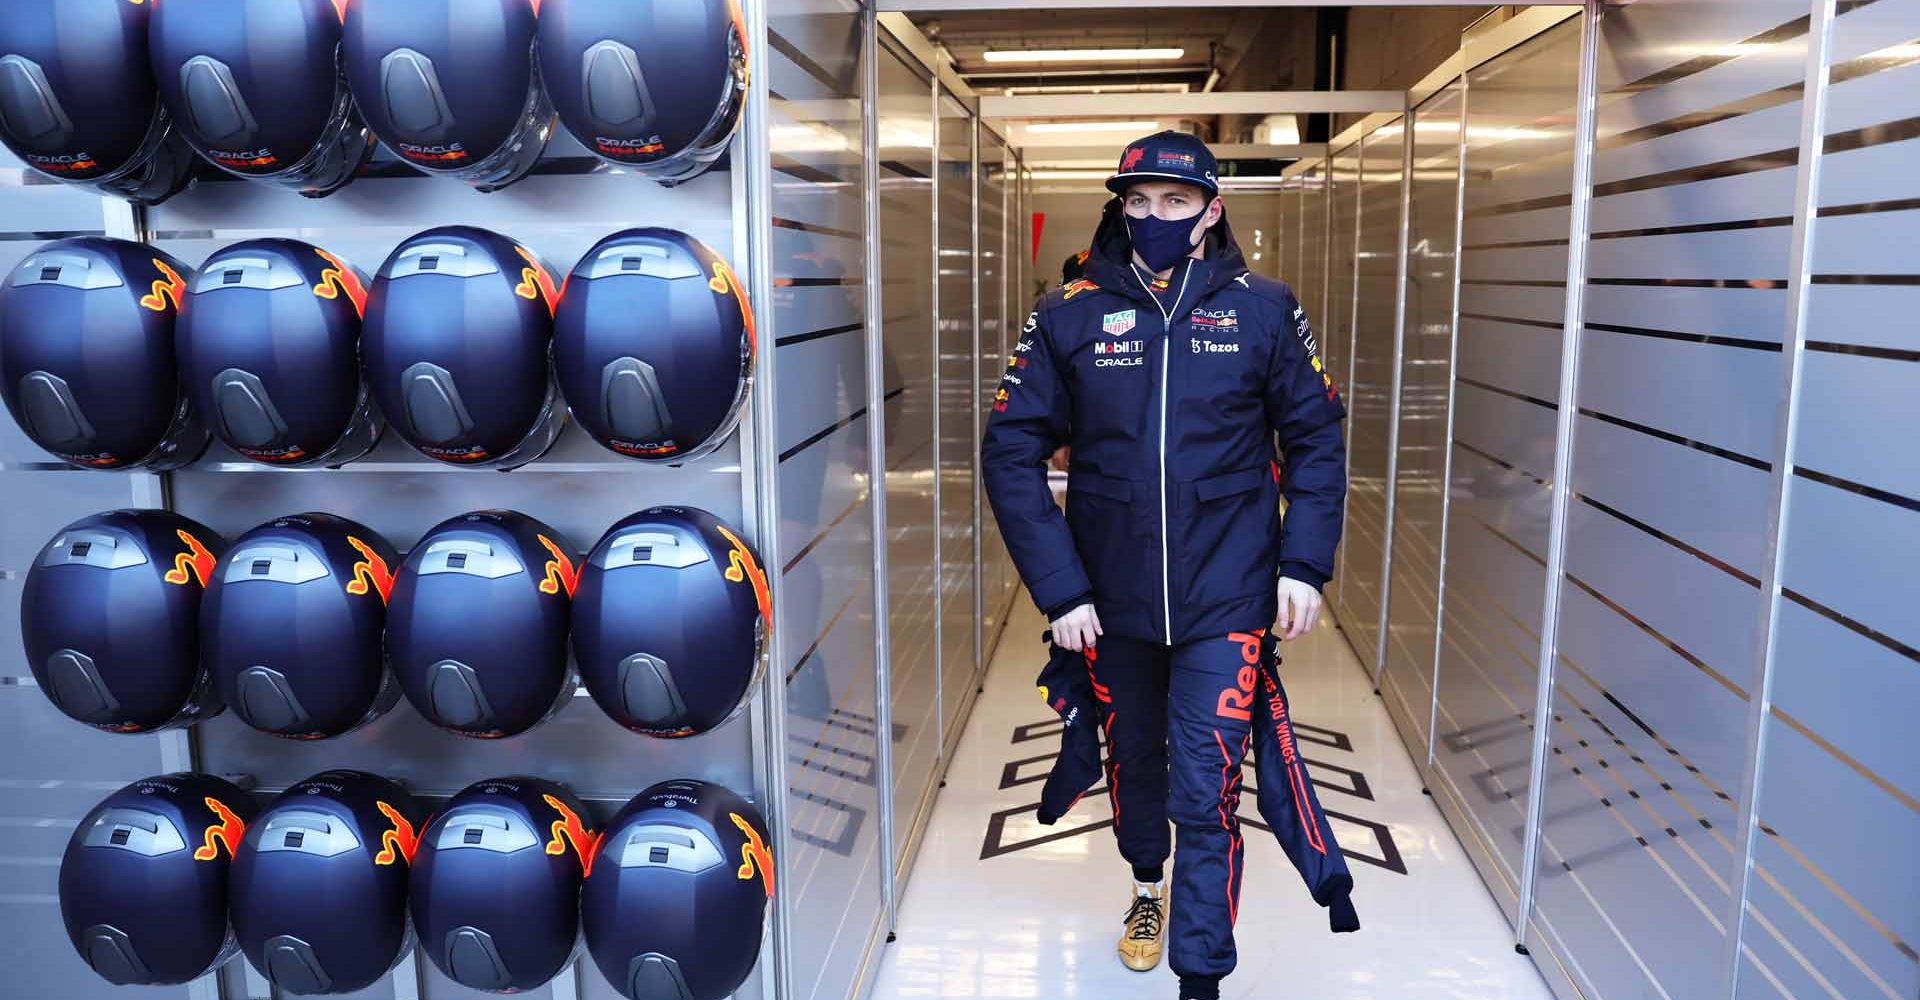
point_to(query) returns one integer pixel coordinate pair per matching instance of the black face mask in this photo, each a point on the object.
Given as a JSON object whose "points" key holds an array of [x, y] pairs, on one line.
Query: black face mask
{"points": [[1161, 243]]}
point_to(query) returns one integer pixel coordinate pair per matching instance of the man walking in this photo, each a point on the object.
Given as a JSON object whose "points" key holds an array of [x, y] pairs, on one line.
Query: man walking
{"points": [[1171, 370]]}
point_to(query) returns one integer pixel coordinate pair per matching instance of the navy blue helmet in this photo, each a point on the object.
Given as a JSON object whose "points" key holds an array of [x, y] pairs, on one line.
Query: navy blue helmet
{"points": [[495, 895], [111, 619], [258, 89], [477, 626], [291, 626], [655, 87], [677, 901], [143, 884], [77, 100], [670, 620], [451, 85], [457, 345], [319, 893], [269, 348], [653, 345], [87, 354]]}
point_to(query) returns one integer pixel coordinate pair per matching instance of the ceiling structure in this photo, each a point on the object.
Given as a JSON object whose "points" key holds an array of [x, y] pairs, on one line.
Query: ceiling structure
{"points": [[981, 43], [1116, 51]]}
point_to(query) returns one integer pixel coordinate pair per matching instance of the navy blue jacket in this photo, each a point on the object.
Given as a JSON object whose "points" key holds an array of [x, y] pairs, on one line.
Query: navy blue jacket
{"points": [[1172, 526]]}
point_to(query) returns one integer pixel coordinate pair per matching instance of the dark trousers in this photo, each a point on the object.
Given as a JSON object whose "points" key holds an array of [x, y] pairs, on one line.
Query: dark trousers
{"points": [[1179, 725]]}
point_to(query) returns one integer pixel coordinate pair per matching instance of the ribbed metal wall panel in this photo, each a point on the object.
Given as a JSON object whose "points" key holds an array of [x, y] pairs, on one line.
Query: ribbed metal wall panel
{"points": [[997, 577], [834, 868], [1830, 903], [1426, 384], [1369, 394], [1512, 260], [959, 412], [1336, 324], [907, 361]]}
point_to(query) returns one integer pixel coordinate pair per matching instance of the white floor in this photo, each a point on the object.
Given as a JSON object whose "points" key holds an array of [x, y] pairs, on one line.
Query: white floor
{"points": [[991, 914]]}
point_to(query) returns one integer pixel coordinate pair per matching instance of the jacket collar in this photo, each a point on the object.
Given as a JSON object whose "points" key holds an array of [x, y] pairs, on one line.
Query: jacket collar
{"points": [[1110, 263]]}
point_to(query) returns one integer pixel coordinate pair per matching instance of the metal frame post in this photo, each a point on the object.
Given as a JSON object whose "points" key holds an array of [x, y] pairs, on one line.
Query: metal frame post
{"points": [[934, 90], [1813, 130], [1393, 402], [756, 139], [973, 394], [877, 459], [1446, 461], [1566, 419], [1353, 318]]}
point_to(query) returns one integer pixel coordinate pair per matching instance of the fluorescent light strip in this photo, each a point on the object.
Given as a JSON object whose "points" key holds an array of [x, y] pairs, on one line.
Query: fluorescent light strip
{"points": [[1137, 126], [1102, 88], [1081, 55]]}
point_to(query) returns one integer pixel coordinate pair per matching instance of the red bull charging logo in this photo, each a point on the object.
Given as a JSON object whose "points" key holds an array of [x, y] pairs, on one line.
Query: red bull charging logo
{"points": [[228, 831]]}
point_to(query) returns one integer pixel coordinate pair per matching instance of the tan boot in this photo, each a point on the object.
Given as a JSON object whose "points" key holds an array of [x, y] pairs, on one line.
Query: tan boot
{"points": [[1146, 923]]}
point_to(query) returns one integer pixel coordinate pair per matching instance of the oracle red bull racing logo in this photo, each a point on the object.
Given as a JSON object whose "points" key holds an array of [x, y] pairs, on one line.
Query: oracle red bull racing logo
{"points": [[228, 831], [195, 564], [569, 831]]}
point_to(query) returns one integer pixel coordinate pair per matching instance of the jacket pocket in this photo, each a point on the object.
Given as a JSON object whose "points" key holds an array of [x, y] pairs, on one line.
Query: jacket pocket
{"points": [[1100, 510], [1229, 543]]}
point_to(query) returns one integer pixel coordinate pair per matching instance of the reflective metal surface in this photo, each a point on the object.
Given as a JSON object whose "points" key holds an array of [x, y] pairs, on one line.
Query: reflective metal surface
{"points": [[958, 402], [1426, 381], [907, 365]]}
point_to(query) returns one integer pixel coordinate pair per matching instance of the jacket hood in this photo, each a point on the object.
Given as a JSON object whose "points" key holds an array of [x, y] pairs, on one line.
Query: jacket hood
{"points": [[1112, 252]]}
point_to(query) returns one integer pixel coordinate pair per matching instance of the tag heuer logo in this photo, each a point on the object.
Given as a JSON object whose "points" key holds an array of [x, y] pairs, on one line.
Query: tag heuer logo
{"points": [[1115, 324]]}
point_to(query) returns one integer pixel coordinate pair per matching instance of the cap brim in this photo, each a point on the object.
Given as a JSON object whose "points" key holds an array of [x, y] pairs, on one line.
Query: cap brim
{"points": [[1119, 183]]}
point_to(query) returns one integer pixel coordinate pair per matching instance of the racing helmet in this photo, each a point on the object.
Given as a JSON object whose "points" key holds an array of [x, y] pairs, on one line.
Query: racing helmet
{"points": [[670, 620], [86, 354], [451, 85], [477, 626], [318, 579], [676, 904], [495, 893], [77, 100], [653, 344], [259, 91], [143, 884], [655, 87], [269, 348], [319, 894], [110, 615], [457, 347]]}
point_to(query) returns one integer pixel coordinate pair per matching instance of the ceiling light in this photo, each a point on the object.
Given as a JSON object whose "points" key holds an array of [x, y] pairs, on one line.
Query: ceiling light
{"points": [[1069, 175], [1101, 88], [1044, 127], [1081, 55]]}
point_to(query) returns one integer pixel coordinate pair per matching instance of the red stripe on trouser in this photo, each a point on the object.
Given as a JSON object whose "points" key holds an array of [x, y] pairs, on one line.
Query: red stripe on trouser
{"points": [[1105, 695], [1229, 821], [1296, 774]]}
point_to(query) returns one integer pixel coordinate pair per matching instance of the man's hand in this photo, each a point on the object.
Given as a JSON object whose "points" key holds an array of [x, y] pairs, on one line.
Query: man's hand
{"points": [[1299, 608], [1079, 629]]}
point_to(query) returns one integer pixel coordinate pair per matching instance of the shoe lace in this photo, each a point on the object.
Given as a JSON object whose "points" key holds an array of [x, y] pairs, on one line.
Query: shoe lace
{"points": [[1144, 918]]}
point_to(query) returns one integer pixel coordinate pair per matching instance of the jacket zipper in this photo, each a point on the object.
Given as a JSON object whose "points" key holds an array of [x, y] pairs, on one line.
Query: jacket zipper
{"points": [[1166, 355]]}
